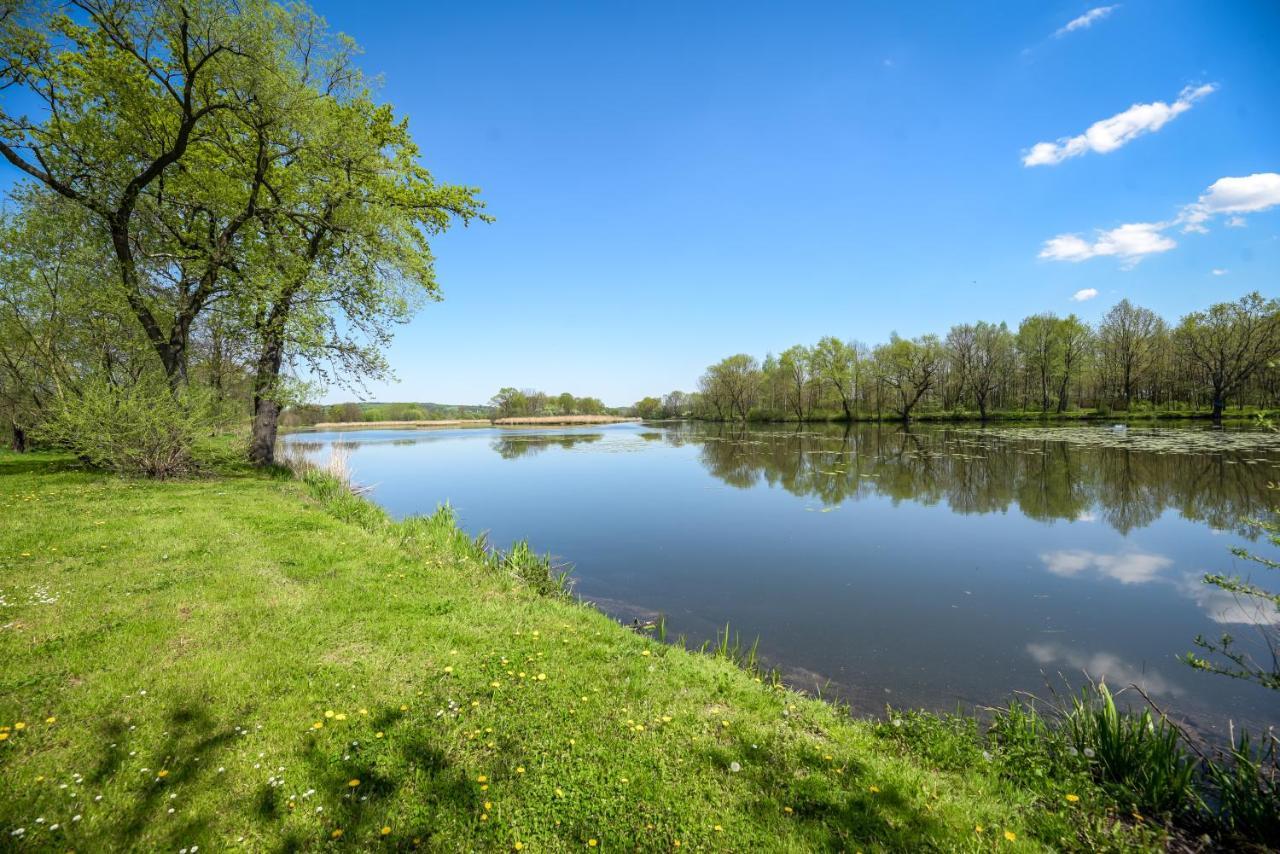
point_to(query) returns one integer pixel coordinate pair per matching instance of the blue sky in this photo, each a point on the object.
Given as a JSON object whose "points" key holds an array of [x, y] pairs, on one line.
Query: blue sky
{"points": [[677, 182]]}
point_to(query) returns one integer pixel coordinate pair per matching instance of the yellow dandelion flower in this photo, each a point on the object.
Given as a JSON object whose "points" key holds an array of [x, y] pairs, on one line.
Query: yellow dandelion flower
{"points": [[518, 846], [559, 793], [364, 711], [788, 810], [20, 725], [591, 843], [639, 727], [340, 716], [520, 769], [726, 724], [386, 831], [482, 779], [1073, 798], [162, 773], [448, 668], [488, 805], [666, 719], [542, 677], [874, 789], [977, 828], [404, 708], [318, 725], [484, 816], [4, 736], [645, 653], [377, 735], [718, 829], [1010, 835], [337, 834], [51, 720], [330, 713], [353, 783]]}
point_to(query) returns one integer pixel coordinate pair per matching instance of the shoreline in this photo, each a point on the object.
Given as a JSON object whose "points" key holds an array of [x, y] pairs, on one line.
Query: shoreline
{"points": [[304, 615]]}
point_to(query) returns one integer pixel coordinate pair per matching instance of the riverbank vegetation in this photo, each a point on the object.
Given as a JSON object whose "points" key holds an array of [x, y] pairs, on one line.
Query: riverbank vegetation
{"points": [[251, 659], [1131, 364], [315, 415], [531, 403]]}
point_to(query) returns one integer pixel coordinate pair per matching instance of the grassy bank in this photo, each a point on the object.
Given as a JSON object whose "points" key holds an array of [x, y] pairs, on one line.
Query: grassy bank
{"points": [[254, 661]]}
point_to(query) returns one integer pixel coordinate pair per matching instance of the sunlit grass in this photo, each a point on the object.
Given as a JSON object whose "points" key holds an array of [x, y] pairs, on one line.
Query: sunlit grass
{"points": [[267, 663]]}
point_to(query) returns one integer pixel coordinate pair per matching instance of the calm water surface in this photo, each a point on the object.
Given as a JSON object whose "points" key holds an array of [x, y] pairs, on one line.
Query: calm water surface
{"points": [[930, 568]]}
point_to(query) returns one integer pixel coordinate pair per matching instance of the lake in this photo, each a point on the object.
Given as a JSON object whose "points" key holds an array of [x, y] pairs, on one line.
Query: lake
{"points": [[935, 567]]}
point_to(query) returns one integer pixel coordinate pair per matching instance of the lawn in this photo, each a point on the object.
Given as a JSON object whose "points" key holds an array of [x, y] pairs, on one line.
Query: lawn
{"points": [[234, 661]]}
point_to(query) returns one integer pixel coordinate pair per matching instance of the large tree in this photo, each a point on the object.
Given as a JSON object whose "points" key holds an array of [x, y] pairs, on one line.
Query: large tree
{"points": [[910, 367], [155, 118], [1229, 343], [1128, 337], [342, 254], [839, 366]]}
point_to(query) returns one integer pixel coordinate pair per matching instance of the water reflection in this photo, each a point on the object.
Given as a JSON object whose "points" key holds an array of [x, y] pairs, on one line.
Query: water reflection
{"points": [[970, 472], [517, 445], [1102, 667], [935, 567]]}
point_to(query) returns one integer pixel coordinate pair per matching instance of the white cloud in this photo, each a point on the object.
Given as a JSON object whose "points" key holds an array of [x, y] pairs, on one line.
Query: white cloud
{"points": [[1127, 568], [1134, 241], [1218, 271], [1247, 194], [1109, 134], [1225, 607], [1130, 243], [1104, 667], [1080, 296], [1086, 20]]}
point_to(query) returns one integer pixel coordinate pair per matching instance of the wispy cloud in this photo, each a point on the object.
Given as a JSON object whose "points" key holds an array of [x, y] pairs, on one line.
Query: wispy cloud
{"points": [[1218, 271], [1132, 242], [1107, 135], [1103, 666], [1085, 21], [1127, 568], [1081, 296]]}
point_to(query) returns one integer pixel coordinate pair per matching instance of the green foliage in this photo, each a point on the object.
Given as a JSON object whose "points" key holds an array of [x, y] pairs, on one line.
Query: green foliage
{"points": [[1247, 788], [1141, 759], [139, 428], [1129, 363]]}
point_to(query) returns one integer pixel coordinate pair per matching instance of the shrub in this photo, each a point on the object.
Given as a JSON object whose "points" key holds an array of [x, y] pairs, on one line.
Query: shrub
{"points": [[139, 428]]}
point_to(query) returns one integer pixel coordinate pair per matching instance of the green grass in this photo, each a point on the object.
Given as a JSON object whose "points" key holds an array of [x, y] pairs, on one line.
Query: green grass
{"points": [[218, 662]]}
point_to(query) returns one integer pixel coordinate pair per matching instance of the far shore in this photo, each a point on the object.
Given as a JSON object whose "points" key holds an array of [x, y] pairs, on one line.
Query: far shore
{"points": [[564, 419], [545, 420]]}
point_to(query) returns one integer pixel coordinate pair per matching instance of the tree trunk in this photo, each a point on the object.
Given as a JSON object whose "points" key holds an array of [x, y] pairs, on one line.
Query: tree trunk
{"points": [[262, 445], [18, 440], [266, 406], [1219, 403]]}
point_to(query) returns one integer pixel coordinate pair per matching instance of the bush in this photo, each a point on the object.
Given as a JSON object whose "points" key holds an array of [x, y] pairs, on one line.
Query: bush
{"points": [[140, 428]]}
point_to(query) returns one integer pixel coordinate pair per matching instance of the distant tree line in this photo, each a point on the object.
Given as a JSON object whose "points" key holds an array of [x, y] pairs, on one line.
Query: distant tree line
{"points": [[1131, 361], [307, 415], [526, 403]]}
